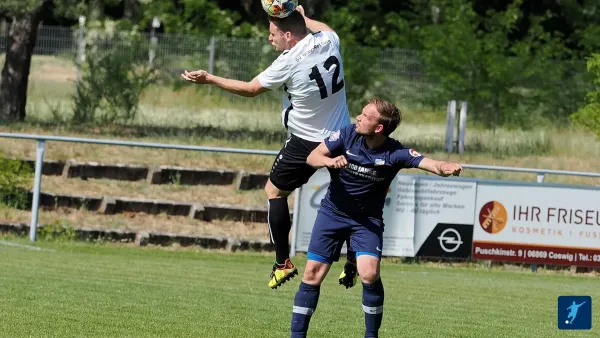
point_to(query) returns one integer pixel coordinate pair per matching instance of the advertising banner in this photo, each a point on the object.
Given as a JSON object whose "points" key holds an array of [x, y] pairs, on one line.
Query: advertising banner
{"points": [[423, 215], [537, 224]]}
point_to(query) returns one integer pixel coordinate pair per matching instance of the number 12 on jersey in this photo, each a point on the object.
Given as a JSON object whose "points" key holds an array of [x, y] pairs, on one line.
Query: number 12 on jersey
{"points": [[336, 86]]}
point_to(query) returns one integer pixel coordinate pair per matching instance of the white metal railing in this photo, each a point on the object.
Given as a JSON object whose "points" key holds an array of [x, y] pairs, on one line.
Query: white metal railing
{"points": [[42, 139]]}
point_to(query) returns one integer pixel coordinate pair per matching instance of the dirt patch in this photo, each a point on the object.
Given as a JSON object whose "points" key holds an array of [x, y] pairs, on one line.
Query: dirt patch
{"points": [[54, 73]]}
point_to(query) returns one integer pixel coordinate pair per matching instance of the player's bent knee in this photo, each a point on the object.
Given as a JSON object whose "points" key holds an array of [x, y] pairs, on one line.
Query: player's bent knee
{"points": [[270, 190], [315, 272], [313, 278], [369, 274], [273, 192], [368, 268], [369, 278]]}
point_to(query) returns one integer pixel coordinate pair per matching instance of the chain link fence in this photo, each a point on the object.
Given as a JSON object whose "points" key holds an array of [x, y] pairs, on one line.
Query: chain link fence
{"points": [[224, 56], [393, 73]]}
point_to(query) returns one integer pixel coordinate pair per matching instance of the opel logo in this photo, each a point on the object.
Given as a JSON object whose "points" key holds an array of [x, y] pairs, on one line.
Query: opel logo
{"points": [[450, 240]]}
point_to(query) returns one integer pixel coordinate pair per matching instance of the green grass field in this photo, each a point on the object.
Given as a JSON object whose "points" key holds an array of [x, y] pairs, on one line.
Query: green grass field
{"points": [[74, 289]]}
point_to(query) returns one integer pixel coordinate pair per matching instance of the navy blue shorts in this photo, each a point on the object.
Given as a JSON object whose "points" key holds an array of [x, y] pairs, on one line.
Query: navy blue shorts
{"points": [[331, 230]]}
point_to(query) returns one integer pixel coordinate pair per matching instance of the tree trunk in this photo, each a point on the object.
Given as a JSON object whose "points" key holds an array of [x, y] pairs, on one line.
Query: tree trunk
{"points": [[22, 34]]}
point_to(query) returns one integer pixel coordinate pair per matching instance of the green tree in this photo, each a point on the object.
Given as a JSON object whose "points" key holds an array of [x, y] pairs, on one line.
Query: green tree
{"points": [[379, 23], [203, 17], [14, 176], [112, 81], [589, 115], [476, 60]]}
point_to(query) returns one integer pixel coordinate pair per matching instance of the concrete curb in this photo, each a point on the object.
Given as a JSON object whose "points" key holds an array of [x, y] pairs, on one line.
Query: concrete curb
{"points": [[152, 174], [110, 205], [144, 238]]}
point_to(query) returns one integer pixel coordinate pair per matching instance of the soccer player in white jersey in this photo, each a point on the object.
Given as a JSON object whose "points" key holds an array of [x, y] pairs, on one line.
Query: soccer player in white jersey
{"points": [[311, 73]]}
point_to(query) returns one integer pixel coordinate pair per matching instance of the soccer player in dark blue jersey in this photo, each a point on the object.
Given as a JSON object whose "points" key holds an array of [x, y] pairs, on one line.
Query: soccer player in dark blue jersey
{"points": [[362, 160]]}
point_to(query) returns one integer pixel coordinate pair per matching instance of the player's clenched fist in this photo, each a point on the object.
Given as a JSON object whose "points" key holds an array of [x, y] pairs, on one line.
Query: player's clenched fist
{"points": [[453, 169], [337, 162]]}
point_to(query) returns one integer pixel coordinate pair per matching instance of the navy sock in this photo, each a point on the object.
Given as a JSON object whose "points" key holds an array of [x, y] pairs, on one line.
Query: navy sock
{"points": [[372, 303], [305, 304], [280, 226]]}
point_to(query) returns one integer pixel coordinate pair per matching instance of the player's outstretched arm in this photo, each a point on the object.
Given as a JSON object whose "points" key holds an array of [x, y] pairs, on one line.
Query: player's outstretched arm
{"points": [[440, 168], [313, 25], [242, 88], [321, 157]]}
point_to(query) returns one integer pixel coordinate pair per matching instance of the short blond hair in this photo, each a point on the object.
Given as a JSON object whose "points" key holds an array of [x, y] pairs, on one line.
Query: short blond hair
{"points": [[389, 115]]}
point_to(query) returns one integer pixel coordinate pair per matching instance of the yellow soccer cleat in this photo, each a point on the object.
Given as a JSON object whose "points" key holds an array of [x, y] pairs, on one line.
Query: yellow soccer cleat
{"points": [[282, 274], [349, 275]]}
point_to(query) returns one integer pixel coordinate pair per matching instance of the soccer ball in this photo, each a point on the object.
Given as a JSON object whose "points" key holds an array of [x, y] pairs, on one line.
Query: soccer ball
{"points": [[279, 8]]}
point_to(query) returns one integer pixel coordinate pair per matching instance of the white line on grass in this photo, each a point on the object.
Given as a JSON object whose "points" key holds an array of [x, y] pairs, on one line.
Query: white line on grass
{"points": [[30, 247]]}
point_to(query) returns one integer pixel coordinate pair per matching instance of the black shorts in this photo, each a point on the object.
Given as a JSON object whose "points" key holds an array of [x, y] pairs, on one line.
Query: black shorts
{"points": [[289, 170]]}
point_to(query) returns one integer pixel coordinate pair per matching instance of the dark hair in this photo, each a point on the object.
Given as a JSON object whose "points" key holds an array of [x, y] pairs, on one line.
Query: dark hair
{"points": [[294, 23], [389, 115]]}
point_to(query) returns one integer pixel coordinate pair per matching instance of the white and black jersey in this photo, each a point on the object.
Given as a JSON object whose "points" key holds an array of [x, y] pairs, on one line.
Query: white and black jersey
{"points": [[312, 76]]}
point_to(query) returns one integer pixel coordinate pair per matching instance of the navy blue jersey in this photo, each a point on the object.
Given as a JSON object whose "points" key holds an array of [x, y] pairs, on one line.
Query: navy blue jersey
{"points": [[361, 187]]}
